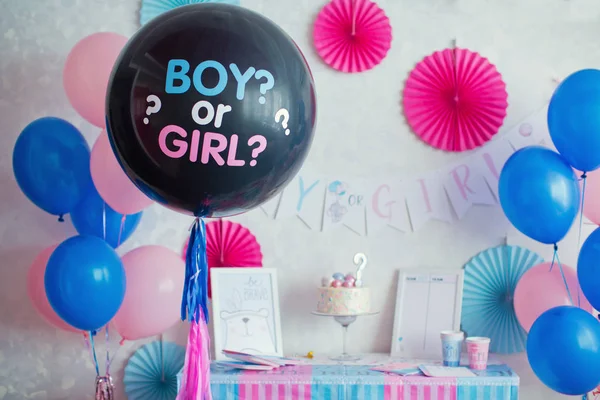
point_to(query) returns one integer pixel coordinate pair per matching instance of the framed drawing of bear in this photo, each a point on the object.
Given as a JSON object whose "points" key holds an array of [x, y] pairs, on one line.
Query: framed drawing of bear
{"points": [[245, 305]]}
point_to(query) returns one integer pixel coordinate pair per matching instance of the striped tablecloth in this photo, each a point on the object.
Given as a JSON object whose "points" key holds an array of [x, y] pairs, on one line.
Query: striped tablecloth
{"points": [[354, 382]]}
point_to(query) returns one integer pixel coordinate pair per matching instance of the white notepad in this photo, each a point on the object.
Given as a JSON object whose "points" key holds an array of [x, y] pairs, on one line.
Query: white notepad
{"points": [[437, 371]]}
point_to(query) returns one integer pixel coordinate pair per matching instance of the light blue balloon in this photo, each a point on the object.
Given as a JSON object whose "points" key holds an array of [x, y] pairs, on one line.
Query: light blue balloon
{"points": [[339, 276], [539, 193], [574, 119], [85, 282], [560, 342], [51, 163], [93, 216], [588, 268]]}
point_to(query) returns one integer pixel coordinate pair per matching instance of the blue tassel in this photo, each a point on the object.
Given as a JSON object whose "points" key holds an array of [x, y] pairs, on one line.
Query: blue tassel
{"points": [[195, 289]]}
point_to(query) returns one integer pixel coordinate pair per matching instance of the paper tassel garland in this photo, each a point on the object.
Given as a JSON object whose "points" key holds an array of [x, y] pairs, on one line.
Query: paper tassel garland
{"points": [[196, 374]]}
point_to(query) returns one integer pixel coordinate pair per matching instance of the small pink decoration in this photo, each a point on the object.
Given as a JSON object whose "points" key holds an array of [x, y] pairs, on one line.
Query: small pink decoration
{"points": [[352, 35], [348, 284], [336, 283], [229, 244], [350, 277], [455, 100]]}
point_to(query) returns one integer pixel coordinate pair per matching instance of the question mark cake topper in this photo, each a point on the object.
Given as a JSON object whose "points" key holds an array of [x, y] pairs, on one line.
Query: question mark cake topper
{"points": [[282, 113], [154, 108], [360, 260], [265, 86]]}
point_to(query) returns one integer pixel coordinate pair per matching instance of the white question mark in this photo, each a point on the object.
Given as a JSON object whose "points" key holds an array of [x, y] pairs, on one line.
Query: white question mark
{"points": [[262, 145], [265, 86], [360, 260], [154, 108], [283, 113]]}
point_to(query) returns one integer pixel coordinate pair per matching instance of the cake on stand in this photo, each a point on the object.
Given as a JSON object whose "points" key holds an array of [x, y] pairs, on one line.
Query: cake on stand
{"points": [[345, 298]]}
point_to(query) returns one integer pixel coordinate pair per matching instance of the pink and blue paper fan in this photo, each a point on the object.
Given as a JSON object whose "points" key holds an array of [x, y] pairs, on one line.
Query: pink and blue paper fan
{"points": [[489, 287], [153, 8]]}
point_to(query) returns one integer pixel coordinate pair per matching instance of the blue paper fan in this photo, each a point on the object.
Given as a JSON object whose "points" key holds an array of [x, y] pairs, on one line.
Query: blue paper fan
{"points": [[488, 309], [151, 372], [153, 8]]}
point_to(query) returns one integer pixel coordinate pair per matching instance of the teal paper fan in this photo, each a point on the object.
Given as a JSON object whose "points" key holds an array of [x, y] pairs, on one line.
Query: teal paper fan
{"points": [[153, 8], [151, 372], [489, 287]]}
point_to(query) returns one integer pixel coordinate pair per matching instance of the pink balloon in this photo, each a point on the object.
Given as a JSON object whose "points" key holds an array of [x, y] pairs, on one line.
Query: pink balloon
{"points": [[87, 72], [152, 301], [37, 291], [540, 289], [112, 183], [591, 202]]}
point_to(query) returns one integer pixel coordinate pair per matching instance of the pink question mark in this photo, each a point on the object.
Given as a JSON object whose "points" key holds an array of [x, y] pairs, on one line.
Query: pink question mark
{"points": [[262, 145]]}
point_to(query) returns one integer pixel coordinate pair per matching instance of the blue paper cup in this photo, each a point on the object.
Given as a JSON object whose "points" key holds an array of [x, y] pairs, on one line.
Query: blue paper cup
{"points": [[452, 342]]}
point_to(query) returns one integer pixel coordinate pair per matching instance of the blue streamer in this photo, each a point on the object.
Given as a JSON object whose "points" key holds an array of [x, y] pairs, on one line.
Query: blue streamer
{"points": [[96, 366], [195, 290]]}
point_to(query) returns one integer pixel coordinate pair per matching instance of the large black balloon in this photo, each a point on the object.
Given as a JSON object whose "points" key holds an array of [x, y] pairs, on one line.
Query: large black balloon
{"points": [[160, 114]]}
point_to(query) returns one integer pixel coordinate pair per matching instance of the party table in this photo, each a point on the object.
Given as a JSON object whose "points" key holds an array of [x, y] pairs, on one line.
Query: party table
{"points": [[358, 382]]}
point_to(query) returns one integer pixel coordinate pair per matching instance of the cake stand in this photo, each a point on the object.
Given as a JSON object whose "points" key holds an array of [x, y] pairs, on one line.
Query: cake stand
{"points": [[345, 321]]}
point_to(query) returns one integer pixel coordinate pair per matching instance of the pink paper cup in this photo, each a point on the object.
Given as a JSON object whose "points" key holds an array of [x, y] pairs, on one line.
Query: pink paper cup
{"points": [[478, 349]]}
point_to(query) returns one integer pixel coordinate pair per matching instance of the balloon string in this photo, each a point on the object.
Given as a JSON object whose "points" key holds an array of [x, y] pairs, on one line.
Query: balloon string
{"points": [[87, 345], [104, 220], [94, 354], [162, 360], [222, 240], [123, 218], [562, 273], [107, 337], [583, 177], [61, 218]]}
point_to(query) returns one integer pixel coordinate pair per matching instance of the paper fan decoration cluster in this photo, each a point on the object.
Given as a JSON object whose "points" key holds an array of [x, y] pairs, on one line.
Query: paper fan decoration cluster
{"points": [[151, 372], [489, 287], [455, 100], [352, 35], [153, 8], [229, 244]]}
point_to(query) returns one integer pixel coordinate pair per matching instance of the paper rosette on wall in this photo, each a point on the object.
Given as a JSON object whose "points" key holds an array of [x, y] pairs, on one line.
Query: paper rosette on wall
{"points": [[153, 8], [229, 244], [455, 100], [151, 372], [489, 287], [352, 35]]}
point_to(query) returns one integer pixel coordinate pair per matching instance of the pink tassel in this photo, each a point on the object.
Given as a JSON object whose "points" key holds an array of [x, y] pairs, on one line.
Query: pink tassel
{"points": [[195, 383]]}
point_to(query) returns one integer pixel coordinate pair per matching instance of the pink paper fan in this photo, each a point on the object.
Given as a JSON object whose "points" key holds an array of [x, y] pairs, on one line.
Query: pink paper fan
{"points": [[229, 244], [455, 100], [352, 35]]}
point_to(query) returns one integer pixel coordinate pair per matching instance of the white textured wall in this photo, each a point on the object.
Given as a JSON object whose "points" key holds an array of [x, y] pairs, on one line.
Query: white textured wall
{"points": [[531, 42]]}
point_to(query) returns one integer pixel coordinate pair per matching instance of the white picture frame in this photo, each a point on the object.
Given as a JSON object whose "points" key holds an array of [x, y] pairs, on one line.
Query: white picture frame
{"points": [[428, 301], [245, 311]]}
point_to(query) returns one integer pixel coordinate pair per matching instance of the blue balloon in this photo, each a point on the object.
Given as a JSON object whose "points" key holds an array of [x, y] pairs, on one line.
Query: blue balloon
{"points": [[588, 269], [539, 193], [51, 162], [574, 119], [93, 216], [85, 282], [563, 348]]}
